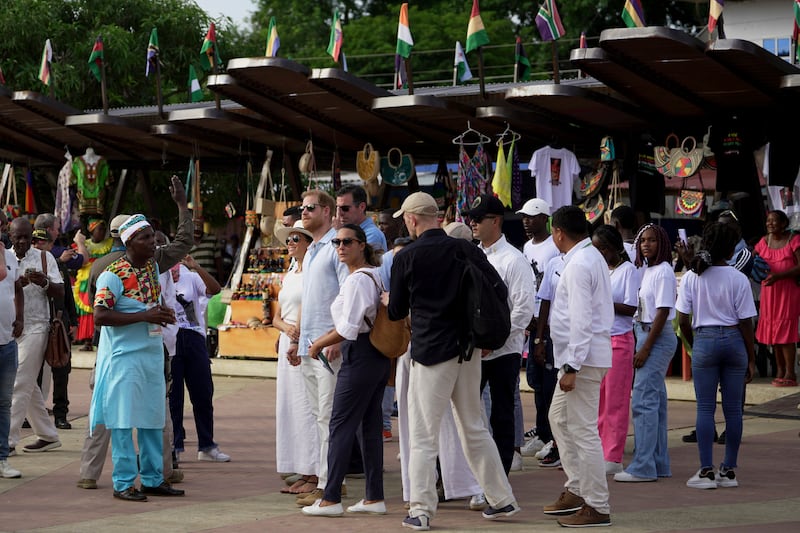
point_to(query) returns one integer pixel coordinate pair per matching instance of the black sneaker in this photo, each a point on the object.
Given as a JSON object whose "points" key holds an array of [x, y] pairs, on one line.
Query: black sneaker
{"points": [[552, 459], [417, 523], [531, 433], [490, 513], [721, 438], [692, 437]]}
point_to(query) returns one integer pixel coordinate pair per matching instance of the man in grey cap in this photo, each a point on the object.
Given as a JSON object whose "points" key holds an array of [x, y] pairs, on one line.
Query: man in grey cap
{"points": [[438, 376]]}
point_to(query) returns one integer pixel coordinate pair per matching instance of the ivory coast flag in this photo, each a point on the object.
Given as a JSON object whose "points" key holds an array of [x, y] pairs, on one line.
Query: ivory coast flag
{"points": [[714, 13], [404, 40], [476, 33]]}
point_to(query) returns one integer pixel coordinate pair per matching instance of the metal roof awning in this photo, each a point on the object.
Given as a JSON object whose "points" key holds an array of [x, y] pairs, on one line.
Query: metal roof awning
{"points": [[21, 142], [752, 63]]}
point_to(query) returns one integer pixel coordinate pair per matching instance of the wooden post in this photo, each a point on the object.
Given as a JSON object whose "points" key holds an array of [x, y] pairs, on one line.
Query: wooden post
{"points": [[480, 72], [556, 76], [103, 93], [118, 193]]}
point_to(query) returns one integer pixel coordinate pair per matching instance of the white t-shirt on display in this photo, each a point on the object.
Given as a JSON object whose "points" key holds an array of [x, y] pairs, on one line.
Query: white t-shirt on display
{"points": [[538, 255], [624, 290], [658, 290], [555, 169], [721, 296]]}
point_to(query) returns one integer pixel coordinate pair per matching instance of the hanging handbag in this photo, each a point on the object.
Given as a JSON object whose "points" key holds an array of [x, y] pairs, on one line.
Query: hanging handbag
{"points": [[440, 189], [400, 173], [307, 165], [594, 208], [614, 195], [690, 202], [265, 206], [11, 207], [368, 163], [661, 155], [685, 160], [390, 337], [58, 350], [593, 181]]}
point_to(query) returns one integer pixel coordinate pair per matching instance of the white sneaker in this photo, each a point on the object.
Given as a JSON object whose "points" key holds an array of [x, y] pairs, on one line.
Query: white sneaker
{"points": [[329, 510], [368, 508], [213, 455], [545, 451], [703, 479], [478, 502], [516, 462], [726, 477], [532, 446], [624, 477], [613, 468], [7, 472]]}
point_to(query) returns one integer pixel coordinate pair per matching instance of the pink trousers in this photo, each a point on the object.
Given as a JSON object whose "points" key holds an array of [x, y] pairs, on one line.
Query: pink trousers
{"points": [[615, 398]]}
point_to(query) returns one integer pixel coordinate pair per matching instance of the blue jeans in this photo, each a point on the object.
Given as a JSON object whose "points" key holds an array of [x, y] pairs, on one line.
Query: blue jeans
{"points": [[8, 373], [543, 380], [387, 407], [719, 358], [649, 406]]}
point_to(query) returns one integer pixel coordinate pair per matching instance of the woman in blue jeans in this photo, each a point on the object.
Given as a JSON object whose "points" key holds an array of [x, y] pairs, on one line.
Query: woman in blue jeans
{"points": [[716, 310], [655, 347]]}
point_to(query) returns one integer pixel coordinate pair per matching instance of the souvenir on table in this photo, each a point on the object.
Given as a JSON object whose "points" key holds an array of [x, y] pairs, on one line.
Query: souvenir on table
{"points": [[397, 167], [90, 174]]}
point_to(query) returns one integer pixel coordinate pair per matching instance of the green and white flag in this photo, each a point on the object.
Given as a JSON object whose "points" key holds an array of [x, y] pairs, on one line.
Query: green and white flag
{"points": [[462, 68], [195, 91]]}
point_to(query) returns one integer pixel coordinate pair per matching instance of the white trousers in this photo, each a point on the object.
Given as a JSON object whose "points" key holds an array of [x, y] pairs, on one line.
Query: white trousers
{"points": [[573, 419], [431, 390], [27, 400], [320, 386]]}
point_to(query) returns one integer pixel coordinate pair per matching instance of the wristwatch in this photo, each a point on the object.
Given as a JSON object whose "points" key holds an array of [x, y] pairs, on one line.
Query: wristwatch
{"points": [[537, 341], [568, 369]]}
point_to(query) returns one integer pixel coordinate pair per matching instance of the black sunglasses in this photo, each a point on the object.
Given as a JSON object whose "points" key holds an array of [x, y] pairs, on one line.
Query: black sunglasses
{"points": [[345, 208], [293, 238], [309, 207], [480, 219], [347, 241]]}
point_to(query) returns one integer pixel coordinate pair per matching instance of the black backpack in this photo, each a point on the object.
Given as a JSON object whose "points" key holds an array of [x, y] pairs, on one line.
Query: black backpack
{"points": [[485, 304]]}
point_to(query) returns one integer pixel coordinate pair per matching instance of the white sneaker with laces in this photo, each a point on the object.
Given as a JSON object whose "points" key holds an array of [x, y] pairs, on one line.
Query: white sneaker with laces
{"points": [[214, 455], [532, 446], [516, 462], [478, 502], [7, 472], [726, 477], [545, 451], [703, 479]]}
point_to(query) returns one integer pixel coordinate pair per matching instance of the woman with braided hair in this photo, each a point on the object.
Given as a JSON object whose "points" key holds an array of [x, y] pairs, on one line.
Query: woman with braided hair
{"points": [[716, 310], [655, 347]]}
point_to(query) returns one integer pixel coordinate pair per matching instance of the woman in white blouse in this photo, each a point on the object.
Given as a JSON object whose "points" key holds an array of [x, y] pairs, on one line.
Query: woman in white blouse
{"points": [[716, 310], [362, 377], [655, 346], [297, 447], [615, 389]]}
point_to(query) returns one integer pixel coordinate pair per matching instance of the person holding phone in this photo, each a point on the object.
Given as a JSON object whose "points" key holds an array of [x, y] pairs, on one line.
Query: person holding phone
{"points": [[362, 377]]}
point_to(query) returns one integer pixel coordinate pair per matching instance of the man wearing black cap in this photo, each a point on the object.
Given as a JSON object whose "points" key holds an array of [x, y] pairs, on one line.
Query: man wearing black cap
{"points": [[500, 368]]}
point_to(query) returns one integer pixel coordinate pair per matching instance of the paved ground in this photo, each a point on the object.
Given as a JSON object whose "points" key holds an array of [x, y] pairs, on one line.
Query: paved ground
{"points": [[243, 495]]}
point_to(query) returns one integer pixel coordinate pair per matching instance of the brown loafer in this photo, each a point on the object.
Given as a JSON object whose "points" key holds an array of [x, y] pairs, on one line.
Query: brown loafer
{"points": [[162, 490], [130, 494]]}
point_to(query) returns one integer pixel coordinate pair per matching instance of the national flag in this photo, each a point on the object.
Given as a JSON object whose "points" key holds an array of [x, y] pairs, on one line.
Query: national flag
{"points": [[96, 58], [401, 79], [633, 14], [549, 21], [209, 55], [30, 201], [195, 90], [462, 68], [152, 53], [476, 33], [47, 59], [404, 40], [337, 37], [273, 41], [522, 62], [714, 13]]}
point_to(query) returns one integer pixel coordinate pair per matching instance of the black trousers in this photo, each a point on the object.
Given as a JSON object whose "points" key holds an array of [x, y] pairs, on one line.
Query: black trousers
{"points": [[356, 413], [543, 380], [501, 374]]}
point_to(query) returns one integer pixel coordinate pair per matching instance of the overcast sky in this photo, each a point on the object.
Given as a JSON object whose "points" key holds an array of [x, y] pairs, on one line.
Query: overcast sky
{"points": [[238, 10]]}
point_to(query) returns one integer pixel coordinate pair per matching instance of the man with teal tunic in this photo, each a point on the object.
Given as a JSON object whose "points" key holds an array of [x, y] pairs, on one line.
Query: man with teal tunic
{"points": [[129, 378]]}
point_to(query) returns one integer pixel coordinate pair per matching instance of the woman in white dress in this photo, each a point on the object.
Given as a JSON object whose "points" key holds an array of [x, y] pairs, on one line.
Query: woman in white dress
{"points": [[297, 446]]}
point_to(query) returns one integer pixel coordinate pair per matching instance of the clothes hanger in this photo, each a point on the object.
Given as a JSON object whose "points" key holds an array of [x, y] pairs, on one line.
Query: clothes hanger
{"points": [[482, 139], [502, 136]]}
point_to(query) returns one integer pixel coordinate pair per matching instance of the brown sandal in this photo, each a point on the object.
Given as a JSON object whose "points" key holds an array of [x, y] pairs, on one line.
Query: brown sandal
{"points": [[308, 488], [297, 484]]}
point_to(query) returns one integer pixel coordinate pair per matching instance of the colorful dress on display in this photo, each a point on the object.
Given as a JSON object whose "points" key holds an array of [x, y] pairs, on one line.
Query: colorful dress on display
{"points": [[90, 180], [80, 290], [472, 178], [780, 302], [516, 176]]}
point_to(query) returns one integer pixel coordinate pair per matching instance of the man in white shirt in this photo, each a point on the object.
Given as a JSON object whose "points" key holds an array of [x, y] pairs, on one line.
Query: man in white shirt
{"points": [[10, 327], [500, 368], [580, 326], [37, 286]]}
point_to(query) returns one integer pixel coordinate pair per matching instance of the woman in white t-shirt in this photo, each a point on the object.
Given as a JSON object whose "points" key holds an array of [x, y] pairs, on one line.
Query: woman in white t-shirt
{"points": [[655, 346], [615, 389], [716, 310], [297, 445], [361, 380]]}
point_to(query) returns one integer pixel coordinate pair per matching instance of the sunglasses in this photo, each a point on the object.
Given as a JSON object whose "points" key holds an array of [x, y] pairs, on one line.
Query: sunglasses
{"points": [[344, 208], [293, 238], [478, 220], [347, 241], [309, 207]]}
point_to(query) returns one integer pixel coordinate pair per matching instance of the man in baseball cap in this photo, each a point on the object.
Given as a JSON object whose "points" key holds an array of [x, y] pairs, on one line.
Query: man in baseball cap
{"points": [[485, 206], [116, 222], [418, 203]]}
